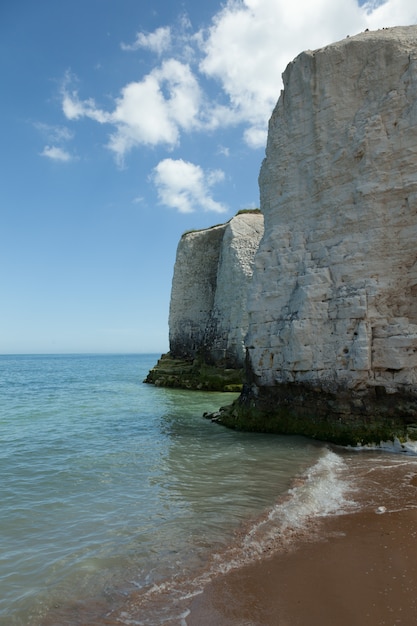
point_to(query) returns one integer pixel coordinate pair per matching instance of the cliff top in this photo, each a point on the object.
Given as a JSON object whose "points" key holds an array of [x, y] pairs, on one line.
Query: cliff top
{"points": [[403, 36], [242, 212]]}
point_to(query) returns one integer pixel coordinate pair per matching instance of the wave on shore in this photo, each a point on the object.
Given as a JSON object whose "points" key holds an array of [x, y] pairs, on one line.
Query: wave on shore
{"points": [[321, 491]]}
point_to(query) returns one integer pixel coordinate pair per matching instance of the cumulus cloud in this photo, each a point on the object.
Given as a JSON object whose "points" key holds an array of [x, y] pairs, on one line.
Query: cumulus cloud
{"points": [[186, 187], [74, 108], [250, 43], [149, 112], [155, 110], [55, 153], [159, 41], [228, 74], [382, 13]]}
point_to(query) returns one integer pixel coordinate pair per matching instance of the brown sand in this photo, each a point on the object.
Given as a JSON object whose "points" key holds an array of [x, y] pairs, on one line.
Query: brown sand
{"points": [[354, 569], [364, 571]]}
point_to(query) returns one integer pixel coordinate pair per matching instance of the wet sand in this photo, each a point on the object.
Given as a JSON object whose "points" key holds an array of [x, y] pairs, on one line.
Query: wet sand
{"points": [[358, 568], [363, 570]]}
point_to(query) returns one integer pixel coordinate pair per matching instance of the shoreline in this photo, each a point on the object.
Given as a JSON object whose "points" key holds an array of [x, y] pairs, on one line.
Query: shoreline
{"points": [[355, 565], [361, 568]]}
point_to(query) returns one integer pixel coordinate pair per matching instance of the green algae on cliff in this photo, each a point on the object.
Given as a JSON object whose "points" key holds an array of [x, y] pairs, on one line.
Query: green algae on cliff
{"points": [[194, 375], [297, 410]]}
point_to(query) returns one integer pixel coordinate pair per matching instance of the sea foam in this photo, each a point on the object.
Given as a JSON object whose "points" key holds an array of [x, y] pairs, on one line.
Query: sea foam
{"points": [[396, 446], [322, 491]]}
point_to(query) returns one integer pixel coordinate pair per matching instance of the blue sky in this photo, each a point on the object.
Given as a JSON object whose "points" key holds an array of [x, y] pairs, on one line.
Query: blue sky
{"points": [[123, 124]]}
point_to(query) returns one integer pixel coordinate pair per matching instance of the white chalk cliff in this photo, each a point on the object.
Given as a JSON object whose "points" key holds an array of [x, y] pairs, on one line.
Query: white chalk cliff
{"points": [[330, 311], [333, 301], [334, 296], [208, 315]]}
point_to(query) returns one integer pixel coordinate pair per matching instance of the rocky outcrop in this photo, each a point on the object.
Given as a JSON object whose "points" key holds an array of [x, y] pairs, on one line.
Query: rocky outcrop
{"points": [[332, 337], [330, 314], [208, 318]]}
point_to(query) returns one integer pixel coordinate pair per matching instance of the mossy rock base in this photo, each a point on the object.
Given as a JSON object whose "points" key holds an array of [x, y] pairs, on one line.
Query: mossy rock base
{"points": [[194, 375], [339, 419]]}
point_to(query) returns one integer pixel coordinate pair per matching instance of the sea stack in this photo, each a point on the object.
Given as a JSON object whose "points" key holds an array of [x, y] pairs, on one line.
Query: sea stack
{"points": [[208, 318], [332, 336]]}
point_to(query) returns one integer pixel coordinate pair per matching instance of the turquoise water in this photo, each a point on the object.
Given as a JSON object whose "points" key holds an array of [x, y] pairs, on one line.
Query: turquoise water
{"points": [[110, 486]]}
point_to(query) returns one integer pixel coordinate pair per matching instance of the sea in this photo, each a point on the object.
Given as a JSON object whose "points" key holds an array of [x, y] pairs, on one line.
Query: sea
{"points": [[120, 501]]}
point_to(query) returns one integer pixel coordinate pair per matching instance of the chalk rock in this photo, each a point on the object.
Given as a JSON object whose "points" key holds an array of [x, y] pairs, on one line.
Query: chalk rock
{"points": [[208, 315], [333, 300]]}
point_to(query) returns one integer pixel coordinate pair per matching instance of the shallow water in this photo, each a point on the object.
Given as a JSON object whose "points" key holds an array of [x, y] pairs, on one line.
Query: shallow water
{"points": [[120, 502], [110, 486]]}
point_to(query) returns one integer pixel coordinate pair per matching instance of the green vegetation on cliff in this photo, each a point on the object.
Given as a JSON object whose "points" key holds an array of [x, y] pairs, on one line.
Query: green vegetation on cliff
{"points": [[291, 411], [196, 375]]}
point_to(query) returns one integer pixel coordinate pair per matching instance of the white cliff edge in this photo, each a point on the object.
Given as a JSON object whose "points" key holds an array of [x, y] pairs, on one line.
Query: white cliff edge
{"points": [[333, 301]]}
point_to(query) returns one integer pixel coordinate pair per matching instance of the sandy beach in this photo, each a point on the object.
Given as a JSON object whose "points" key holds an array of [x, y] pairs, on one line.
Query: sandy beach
{"points": [[362, 570], [356, 566]]}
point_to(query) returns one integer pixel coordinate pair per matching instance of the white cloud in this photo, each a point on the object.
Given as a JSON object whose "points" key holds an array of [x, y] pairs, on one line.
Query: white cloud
{"points": [[74, 108], [155, 110], [159, 41], [239, 59], [149, 112], [250, 43], [223, 150], [54, 134], [186, 187], [391, 13], [56, 154]]}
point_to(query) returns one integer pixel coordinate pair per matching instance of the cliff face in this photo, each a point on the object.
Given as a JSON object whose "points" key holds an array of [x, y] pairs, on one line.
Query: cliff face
{"points": [[333, 303], [334, 298], [208, 317], [193, 290], [213, 268], [331, 309]]}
